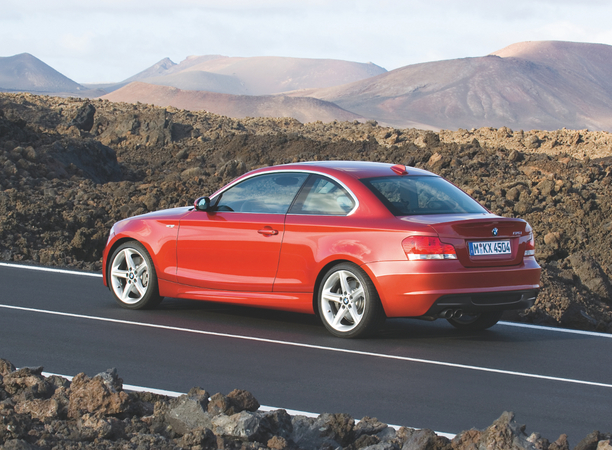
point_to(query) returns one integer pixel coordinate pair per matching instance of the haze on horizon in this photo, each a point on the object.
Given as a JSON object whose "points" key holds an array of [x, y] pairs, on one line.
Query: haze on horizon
{"points": [[110, 40]]}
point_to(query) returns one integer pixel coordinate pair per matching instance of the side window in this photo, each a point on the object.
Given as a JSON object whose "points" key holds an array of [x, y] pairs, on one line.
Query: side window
{"points": [[322, 196], [264, 194]]}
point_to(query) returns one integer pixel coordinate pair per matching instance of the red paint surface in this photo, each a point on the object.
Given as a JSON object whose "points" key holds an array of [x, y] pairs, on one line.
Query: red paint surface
{"points": [[274, 260]]}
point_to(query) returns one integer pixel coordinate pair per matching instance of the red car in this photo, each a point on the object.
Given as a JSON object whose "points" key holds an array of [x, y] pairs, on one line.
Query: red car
{"points": [[354, 242]]}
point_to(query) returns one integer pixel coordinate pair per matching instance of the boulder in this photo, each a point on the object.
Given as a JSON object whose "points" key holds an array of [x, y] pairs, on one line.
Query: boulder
{"points": [[6, 367], [27, 383], [39, 408], [97, 396], [591, 274], [242, 400], [255, 426], [202, 438], [504, 433], [425, 440], [604, 445], [327, 430], [236, 401], [244, 425], [84, 118], [93, 427], [188, 412], [593, 440], [560, 444]]}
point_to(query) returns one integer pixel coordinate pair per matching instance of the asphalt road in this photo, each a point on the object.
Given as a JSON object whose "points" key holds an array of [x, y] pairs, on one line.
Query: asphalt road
{"points": [[415, 373]]}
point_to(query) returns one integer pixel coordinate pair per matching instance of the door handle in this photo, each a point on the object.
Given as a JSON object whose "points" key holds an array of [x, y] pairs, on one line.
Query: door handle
{"points": [[268, 231]]}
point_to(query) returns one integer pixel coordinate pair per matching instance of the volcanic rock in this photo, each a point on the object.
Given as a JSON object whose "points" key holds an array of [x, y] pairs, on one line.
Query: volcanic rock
{"points": [[591, 274], [188, 412], [95, 396], [96, 413]]}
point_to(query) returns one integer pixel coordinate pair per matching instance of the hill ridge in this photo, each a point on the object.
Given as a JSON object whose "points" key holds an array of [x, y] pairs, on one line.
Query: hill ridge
{"points": [[25, 72]]}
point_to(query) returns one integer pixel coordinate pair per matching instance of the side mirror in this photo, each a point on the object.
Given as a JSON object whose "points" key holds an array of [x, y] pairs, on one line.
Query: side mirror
{"points": [[202, 204]]}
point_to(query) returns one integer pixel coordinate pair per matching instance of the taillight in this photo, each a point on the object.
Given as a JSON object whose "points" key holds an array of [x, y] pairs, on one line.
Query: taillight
{"points": [[530, 245], [427, 247]]}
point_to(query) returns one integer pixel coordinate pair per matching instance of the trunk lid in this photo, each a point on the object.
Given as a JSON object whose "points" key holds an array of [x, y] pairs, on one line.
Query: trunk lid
{"points": [[483, 240]]}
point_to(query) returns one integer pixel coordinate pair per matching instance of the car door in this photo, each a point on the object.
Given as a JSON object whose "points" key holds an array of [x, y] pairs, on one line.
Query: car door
{"points": [[235, 245], [316, 226]]}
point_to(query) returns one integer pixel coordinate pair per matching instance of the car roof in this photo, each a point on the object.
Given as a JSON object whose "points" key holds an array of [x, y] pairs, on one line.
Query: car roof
{"points": [[357, 169]]}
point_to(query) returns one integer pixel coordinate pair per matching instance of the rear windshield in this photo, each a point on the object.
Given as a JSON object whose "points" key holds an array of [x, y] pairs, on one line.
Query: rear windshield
{"points": [[416, 195]]}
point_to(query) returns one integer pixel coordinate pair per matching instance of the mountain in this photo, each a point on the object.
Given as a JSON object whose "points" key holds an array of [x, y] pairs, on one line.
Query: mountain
{"points": [[543, 85], [304, 109], [591, 60], [25, 72], [196, 80], [260, 75], [155, 70], [532, 85]]}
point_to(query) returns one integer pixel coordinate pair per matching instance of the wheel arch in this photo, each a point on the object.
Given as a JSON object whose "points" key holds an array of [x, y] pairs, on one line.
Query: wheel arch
{"points": [[147, 295], [115, 246], [333, 263]]}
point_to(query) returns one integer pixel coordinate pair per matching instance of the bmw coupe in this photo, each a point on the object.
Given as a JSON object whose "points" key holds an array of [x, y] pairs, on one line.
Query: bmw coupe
{"points": [[353, 242]]}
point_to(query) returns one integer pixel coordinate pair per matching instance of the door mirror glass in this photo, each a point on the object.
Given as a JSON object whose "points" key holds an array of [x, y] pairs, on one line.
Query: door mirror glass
{"points": [[202, 204]]}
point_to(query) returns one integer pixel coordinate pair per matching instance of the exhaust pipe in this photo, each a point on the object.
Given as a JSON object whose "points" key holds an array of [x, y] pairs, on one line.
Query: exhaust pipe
{"points": [[450, 314], [446, 314]]}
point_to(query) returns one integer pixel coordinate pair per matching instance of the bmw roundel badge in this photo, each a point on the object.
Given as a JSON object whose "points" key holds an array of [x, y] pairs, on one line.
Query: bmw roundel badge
{"points": [[495, 231]]}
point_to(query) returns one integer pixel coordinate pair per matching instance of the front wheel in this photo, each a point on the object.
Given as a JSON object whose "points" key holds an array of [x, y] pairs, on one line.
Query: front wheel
{"points": [[348, 303], [476, 322], [132, 277]]}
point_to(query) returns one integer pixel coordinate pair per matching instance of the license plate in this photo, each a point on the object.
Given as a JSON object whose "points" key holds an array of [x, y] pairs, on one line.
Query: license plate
{"points": [[490, 248]]}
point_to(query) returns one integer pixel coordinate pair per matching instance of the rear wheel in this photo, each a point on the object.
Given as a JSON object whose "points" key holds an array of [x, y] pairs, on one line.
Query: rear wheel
{"points": [[132, 277], [348, 303], [475, 322]]}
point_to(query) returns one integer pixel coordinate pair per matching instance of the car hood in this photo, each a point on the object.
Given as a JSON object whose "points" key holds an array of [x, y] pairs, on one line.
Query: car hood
{"points": [[164, 214]]}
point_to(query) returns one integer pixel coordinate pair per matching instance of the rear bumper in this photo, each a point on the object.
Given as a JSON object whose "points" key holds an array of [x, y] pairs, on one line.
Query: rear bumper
{"points": [[448, 305], [426, 288]]}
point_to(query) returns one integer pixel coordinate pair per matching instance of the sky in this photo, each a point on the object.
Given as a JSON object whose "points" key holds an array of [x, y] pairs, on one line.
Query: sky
{"points": [[92, 41]]}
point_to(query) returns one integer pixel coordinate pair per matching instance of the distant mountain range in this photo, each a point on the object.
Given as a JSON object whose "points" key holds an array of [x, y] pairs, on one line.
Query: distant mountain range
{"points": [[25, 73], [530, 85], [263, 75], [304, 109]]}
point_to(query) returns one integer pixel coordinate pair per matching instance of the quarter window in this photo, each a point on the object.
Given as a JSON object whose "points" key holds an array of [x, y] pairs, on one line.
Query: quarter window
{"points": [[264, 194], [322, 196]]}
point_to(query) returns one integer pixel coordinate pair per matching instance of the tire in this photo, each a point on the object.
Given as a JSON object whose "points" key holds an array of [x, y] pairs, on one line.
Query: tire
{"points": [[476, 322], [348, 303], [132, 277]]}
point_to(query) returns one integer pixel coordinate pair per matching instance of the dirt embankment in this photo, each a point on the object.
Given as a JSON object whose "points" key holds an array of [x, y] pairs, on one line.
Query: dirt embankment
{"points": [[70, 168]]}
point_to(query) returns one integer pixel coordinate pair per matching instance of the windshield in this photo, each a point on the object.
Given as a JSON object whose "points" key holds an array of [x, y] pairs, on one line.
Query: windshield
{"points": [[416, 195]]}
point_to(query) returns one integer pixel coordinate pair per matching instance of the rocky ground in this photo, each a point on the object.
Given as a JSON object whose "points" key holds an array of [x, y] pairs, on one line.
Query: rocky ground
{"points": [[70, 168], [38, 412]]}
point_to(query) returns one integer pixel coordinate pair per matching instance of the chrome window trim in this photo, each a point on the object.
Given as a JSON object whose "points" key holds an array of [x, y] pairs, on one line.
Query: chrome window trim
{"points": [[344, 186]]}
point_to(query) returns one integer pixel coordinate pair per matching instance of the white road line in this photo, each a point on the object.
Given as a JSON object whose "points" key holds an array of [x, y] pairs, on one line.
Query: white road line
{"points": [[51, 269], [509, 324], [311, 346], [263, 408], [561, 330]]}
